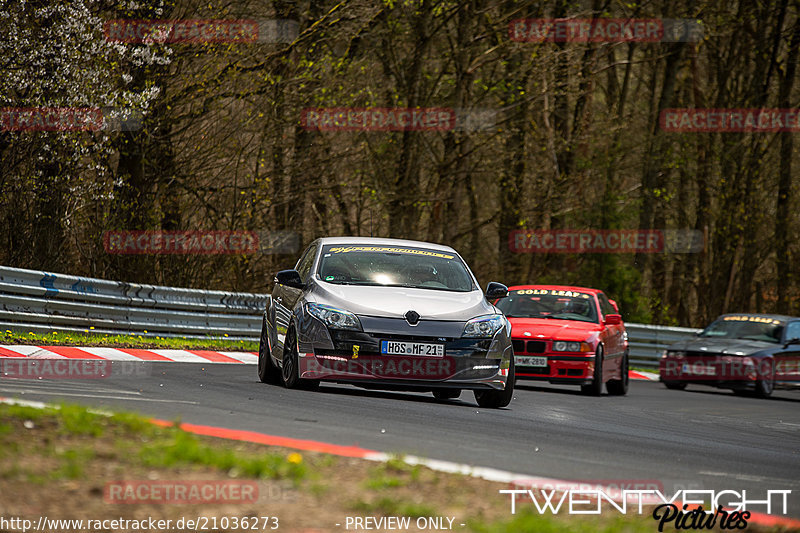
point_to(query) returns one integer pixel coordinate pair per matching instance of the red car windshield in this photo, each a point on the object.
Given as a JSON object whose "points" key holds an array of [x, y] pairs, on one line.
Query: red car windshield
{"points": [[544, 303]]}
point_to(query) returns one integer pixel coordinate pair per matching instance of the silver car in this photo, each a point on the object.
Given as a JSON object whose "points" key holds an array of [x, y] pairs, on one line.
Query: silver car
{"points": [[387, 314]]}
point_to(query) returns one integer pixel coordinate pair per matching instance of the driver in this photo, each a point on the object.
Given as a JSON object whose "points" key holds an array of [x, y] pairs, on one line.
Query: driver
{"points": [[577, 307], [422, 273]]}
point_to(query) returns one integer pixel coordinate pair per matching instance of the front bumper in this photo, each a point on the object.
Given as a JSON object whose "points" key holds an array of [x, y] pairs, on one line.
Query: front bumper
{"points": [[716, 370], [355, 356], [561, 369]]}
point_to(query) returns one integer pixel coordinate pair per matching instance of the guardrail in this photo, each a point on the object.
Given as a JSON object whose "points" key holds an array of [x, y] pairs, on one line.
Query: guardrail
{"points": [[33, 300], [38, 301], [646, 342]]}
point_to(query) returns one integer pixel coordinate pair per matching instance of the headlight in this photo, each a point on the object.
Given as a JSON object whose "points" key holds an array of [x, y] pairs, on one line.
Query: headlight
{"points": [[333, 317], [484, 326], [674, 353], [571, 346]]}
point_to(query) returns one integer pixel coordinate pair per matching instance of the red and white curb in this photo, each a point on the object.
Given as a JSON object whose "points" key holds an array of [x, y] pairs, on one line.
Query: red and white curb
{"points": [[127, 354], [515, 481], [642, 375]]}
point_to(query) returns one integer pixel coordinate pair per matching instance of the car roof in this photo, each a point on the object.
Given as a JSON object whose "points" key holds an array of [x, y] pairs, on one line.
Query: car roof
{"points": [[378, 241], [782, 318], [556, 288]]}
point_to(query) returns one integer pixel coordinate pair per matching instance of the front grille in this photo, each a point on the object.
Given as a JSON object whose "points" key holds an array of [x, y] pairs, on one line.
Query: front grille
{"points": [[536, 346], [543, 370], [521, 346], [410, 338], [701, 355]]}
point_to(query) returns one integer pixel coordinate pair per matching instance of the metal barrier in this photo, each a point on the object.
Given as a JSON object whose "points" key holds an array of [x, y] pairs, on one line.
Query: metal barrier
{"points": [[39, 301], [646, 343], [33, 300]]}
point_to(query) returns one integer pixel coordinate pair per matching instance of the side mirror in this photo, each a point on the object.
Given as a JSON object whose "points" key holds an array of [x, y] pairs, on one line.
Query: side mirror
{"points": [[613, 320], [791, 341], [496, 290], [614, 305], [290, 278]]}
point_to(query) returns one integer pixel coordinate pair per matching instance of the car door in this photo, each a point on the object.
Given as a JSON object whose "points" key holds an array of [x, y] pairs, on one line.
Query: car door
{"points": [[285, 298], [787, 358], [615, 344]]}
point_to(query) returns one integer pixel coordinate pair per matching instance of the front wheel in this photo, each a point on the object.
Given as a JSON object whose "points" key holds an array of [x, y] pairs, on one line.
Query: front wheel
{"points": [[595, 388], [675, 385], [620, 387], [291, 362], [766, 384], [494, 399], [267, 372]]}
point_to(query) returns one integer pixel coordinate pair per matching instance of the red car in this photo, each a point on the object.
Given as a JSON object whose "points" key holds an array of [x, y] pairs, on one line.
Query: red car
{"points": [[568, 335]]}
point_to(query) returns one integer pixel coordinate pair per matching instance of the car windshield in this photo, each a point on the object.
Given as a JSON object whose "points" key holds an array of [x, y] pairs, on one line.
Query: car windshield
{"points": [[394, 266], [549, 303], [753, 328]]}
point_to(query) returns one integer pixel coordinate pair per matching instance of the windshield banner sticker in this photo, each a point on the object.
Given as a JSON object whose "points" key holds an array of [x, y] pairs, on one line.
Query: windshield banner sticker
{"points": [[389, 249]]}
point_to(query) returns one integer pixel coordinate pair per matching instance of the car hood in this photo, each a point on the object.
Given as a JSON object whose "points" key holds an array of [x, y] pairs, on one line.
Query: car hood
{"points": [[721, 346], [551, 328], [394, 302]]}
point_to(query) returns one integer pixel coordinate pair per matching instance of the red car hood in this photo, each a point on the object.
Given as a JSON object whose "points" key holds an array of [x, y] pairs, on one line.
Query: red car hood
{"points": [[549, 328]]}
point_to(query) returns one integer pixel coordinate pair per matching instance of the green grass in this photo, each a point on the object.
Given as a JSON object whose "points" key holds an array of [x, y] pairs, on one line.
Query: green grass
{"points": [[393, 474], [158, 446], [88, 338], [180, 447], [389, 506], [73, 463], [530, 521]]}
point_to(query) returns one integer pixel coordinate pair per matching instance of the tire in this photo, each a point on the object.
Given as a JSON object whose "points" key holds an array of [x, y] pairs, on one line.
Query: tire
{"points": [[267, 372], [446, 394], [595, 388], [675, 385], [290, 374], [764, 387], [619, 387], [494, 399]]}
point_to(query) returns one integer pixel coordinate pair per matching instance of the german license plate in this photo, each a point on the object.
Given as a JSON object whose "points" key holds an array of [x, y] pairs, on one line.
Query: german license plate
{"points": [[527, 360], [420, 349], [699, 369]]}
